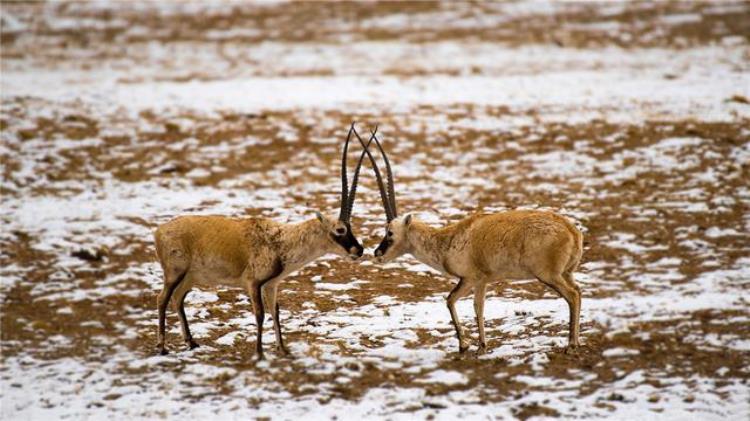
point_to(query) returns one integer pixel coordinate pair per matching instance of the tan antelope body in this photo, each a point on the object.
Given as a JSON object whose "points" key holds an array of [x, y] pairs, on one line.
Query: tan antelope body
{"points": [[495, 247], [484, 248], [250, 253]]}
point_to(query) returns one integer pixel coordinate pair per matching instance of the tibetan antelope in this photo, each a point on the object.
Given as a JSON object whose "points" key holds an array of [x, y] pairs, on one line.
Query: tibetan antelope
{"points": [[250, 253], [484, 248]]}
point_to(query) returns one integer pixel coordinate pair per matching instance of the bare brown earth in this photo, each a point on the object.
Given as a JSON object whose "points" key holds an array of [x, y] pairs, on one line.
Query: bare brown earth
{"points": [[309, 22], [642, 206], [25, 328]]}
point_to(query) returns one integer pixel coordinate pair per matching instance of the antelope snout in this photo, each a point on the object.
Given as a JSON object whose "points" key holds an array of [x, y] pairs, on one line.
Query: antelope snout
{"points": [[356, 252], [378, 253]]}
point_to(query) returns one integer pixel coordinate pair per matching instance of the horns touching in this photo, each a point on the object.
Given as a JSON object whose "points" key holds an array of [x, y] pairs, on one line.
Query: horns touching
{"points": [[347, 196], [387, 195]]}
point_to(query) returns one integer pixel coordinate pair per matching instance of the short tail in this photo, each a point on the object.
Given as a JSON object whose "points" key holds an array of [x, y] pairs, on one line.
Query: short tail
{"points": [[157, 243], [575, 259]]}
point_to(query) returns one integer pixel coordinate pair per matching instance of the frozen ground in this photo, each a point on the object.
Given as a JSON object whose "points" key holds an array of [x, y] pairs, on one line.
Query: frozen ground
{"points": [[631, 119]]}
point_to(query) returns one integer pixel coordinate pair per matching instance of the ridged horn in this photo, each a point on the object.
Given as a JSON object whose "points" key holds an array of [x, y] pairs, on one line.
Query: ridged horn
{"points": [[378, 178], [355, 179], [344, 178], [389, 178]]}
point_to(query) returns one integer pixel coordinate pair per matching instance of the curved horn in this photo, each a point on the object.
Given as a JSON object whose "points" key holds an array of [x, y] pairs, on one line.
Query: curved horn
{"points": [[389, 176], [344, 179], [379, 179], [355, 179]]}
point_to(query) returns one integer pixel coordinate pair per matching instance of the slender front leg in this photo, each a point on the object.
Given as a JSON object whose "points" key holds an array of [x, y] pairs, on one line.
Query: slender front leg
{"points": [[279, 339], [479, 294], [257, 302], [256, 293], [270, 294], [461, 290]]}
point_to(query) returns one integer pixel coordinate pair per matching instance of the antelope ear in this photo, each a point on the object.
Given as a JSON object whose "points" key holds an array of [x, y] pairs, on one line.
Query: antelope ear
{"points": [[320, 217], [407, 220]]}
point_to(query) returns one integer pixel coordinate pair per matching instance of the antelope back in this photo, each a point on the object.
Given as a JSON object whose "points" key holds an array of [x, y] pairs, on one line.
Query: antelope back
{"points": [[524, 243]]}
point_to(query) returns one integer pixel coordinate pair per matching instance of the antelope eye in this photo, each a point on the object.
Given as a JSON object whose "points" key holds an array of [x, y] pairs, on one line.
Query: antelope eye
{"points": [[390, 233], [340, 231]]}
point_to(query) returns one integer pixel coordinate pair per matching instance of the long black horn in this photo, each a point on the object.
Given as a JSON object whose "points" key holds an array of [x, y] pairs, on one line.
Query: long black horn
{"points": [[344, 179], [379, 179], [355, 179], [389, 177]]}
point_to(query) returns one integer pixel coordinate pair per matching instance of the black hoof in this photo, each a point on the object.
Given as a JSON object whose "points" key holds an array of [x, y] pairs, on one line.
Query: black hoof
{"points": [[163, 351], [192, 344]]}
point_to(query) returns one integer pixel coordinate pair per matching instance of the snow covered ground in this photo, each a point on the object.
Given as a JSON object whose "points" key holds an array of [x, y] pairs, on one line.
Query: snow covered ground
{"points": [[631, 119]]}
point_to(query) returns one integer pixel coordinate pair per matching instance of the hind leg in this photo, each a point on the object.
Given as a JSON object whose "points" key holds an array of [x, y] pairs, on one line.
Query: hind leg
{"points": [[573, 296], [179, 302], [172, 279], [566, 287]]}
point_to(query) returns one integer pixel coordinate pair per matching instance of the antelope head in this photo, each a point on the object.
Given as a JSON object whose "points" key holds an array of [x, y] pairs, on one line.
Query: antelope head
{"points": [[340, 235]]}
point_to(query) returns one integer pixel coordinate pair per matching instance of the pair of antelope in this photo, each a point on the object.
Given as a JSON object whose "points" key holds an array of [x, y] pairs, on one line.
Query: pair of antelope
{"points": [[257, 253]]}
